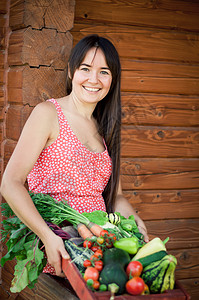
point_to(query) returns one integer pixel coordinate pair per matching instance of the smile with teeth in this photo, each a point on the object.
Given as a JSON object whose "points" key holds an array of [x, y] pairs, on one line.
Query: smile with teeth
{"points": [[91, 89]]}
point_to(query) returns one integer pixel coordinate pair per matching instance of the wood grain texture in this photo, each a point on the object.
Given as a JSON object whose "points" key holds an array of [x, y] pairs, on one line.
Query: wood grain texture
{"points": [[17, 116], [159, 173], [161, 110], [164, 204], [143, 84], [192, 285], [148, 141], [159, 14], [21, 92], [3, 6], [146, 44], [188, 258], [182, 233], [159, 68], [39, 47], [39, 14], [153, 166]]}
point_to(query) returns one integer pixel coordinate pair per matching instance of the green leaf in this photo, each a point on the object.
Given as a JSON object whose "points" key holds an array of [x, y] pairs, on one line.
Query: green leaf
{"points": [[6, 210], [13, 248], [32, 284], [8, 256], [22, 230], [20, 280], [19, 245], [27, 270], [98, 217]]}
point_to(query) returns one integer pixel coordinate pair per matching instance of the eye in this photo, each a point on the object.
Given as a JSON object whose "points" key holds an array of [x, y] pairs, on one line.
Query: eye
{"points": [[85, 69], [105, 72]]}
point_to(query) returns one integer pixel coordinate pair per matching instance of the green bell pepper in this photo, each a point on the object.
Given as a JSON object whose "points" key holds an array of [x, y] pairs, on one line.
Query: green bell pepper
{"points": [[130, 244]]}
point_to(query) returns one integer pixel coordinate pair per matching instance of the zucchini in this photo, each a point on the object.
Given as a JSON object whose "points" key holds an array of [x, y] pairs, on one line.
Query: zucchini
{"points": [[147, 260], [78, 254], [115, 255], [114, 273]]}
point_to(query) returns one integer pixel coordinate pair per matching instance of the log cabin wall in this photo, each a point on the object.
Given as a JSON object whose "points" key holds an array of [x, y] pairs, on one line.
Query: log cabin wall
{"points": [[158, 42], [35, 44], [3, 40]]}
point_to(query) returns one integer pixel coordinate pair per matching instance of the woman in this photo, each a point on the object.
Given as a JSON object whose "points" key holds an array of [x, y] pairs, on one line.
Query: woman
{"points": [[70, 147]]}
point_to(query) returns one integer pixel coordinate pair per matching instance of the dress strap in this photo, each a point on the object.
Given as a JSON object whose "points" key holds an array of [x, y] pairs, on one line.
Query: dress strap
{"points": [[61, 117]]}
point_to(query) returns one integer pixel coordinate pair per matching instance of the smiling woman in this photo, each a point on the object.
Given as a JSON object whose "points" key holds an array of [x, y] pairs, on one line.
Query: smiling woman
{"points": [[92, 80], [73, 152]]}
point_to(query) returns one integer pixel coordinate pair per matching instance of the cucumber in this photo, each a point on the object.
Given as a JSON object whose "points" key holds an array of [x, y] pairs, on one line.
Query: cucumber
{"points": [[147, 260], [160, 275], [114, 273], [115, 255]]}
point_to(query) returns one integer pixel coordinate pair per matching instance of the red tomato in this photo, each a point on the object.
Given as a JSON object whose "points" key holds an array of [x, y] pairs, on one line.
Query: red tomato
{"points": [[109, 244], [91, 273], [134, 268], [87, 263], [98, 253], [95, 248], [98, 265], [104, 232], [112, 235], [96, 284], [135, 286], [87, 244], [93, 258]]}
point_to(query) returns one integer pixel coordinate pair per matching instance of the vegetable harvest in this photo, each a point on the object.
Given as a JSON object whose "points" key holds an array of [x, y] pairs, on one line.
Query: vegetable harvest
{"points": [[113, 252]]}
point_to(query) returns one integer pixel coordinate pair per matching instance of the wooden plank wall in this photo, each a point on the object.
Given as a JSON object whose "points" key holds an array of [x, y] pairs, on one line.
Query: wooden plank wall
{"points": [[158, 42]]}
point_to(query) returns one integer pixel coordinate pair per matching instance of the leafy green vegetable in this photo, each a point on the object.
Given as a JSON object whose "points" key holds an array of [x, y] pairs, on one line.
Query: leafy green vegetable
{"points": [[27, 270], [98, 217]]}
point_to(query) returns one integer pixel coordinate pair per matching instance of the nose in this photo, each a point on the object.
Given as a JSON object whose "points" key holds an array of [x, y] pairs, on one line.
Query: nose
{"points": [[93, 77]]}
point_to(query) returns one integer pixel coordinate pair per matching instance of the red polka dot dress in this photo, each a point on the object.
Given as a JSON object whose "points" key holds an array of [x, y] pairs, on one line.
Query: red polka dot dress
{"points": [[68, 170]]}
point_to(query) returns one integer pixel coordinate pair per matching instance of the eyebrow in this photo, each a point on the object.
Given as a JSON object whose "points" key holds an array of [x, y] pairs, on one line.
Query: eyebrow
{"points": [[104, 68]]}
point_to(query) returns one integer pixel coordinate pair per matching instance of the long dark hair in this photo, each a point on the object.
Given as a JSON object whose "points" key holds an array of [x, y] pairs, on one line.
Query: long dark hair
{"points": [[108, 111]]}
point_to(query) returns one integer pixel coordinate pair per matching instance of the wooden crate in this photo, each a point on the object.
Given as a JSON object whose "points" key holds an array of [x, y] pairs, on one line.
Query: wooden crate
{"points": [[84, 293]]}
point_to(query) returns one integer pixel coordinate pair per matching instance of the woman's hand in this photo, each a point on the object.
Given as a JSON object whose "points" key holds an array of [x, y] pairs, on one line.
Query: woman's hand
{"points": [[55, 251]]}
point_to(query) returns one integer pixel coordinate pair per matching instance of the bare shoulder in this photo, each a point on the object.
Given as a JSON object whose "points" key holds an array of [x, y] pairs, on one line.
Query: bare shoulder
{"points": [[45, 108], [43, 112]]}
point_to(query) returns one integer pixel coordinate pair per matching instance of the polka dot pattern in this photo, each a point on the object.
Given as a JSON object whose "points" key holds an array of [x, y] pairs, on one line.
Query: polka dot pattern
{"points": [[68, 170]]}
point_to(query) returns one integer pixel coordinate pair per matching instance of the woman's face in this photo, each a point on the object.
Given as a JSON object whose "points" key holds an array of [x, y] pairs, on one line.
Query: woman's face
{"points": [[92, 80]]}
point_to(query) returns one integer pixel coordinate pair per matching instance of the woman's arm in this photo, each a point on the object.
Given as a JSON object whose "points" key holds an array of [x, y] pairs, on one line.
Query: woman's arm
{"points": [[35, 136], [125, 208]]}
